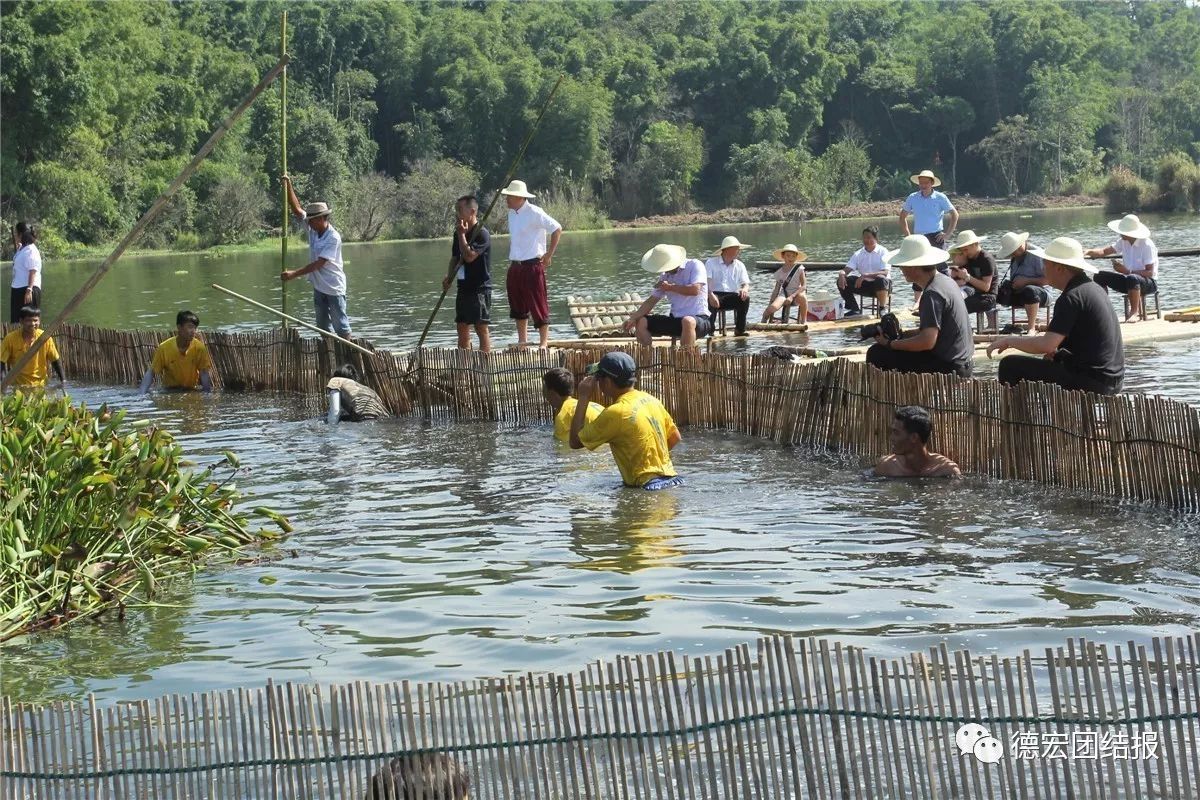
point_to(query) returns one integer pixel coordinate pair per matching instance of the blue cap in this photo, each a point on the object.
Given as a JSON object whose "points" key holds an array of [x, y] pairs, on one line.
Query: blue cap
{"points": [[617, 365]]}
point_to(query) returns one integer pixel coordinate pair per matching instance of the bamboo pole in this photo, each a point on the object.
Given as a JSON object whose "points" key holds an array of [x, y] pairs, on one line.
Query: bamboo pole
{"points": [[141, 224], [287, 212], [299, 322]]}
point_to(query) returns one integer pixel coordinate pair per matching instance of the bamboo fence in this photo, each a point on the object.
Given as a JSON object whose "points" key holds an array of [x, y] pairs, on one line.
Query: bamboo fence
{"points": [[782, 718], [1128, 446]]}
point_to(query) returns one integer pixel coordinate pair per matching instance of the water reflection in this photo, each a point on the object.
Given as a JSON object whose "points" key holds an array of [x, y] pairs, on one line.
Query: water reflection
{"points": [[635, 534]]}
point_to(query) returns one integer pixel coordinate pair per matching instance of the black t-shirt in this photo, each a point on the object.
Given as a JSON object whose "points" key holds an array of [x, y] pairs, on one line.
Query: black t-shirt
{"points": [[1086, 318], [983, 266], [942, 307], [478, 273]]}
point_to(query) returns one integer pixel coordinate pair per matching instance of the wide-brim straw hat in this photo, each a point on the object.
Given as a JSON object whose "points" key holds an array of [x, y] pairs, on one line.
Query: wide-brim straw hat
{"points": [[916, 251], [517, 189], [1130, 225], [965, 239], [1009, 243], [728, 242], [663, 258], [1068, 252], [314, 210], [926, 173], [790, 248]]}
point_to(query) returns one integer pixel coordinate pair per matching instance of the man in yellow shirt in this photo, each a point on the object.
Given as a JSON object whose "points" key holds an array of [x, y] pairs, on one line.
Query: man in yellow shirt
{"points": [[635, 425], [181, 362], [16, 343], [558, 387]]}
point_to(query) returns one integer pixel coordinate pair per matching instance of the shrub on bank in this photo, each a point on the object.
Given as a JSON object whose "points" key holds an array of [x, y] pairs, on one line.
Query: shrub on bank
{"points": [[1125, 191], [98, 513], [1177, 179]]}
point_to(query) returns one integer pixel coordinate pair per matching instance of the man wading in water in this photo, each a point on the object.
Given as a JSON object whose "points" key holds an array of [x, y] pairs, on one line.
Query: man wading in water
{"points": [[910, 458]]}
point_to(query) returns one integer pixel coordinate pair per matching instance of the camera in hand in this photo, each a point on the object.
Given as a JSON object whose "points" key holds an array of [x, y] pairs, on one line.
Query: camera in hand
{"points": [[888, 327]]}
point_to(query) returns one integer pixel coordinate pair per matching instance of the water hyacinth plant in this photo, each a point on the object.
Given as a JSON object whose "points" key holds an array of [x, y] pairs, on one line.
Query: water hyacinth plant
{"points": [[96, 513]]}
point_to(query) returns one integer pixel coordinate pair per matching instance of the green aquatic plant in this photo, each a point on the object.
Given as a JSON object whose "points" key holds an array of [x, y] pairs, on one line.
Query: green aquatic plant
{"points": [[96, 513]]}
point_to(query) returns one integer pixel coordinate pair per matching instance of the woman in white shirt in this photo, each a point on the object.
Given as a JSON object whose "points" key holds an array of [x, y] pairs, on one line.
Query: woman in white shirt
{"points": [[27, 271], [1135, 273]]}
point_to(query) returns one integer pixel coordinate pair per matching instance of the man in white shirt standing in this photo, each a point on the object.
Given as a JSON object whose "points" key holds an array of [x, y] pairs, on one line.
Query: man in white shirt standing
{"points": [[729, 282], [1136, 272], [324, 270], [529, 256], [866, 273], [27, 271]]}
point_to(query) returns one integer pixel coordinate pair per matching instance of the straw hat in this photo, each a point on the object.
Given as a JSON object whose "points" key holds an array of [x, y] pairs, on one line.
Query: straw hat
{"points": [[728, 242], [314, 210], [1068, 252], [663, 258], [1130, 225], [790, 248], [916, 251], [820, 296], [517, 189], [926, 173], [964, 239], [1009, 243]]}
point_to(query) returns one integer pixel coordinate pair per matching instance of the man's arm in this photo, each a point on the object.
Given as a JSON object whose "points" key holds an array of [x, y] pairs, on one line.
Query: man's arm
{"points": [[451, 269], [147, 380], [645, 308], [289, 274], [673, 438], [953, 221], [1099, 252], [293, 201], [56, 365], [553, 246], [205, 380], [586, 389], [904, 221], [1044, 345], [915, 342], [890, 466]]}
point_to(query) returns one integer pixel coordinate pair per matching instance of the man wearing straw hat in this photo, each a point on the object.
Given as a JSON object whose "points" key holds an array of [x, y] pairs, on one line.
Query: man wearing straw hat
{"points": [[866, 273], [529, 257], [943, 341], [975, 271], [324, 270], [729, 282], [684, 282], [1026, 278], [1136, 271], [789, 283], [928, 208], [1082, 348]]}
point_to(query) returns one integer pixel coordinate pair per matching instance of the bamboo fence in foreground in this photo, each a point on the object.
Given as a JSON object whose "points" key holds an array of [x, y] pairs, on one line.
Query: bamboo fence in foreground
{"points": [[1129, 446], [785, 718]]}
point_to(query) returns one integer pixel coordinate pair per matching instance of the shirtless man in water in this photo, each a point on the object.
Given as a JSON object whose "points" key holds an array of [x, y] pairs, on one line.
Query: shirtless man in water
{"points": [[910, 457]]}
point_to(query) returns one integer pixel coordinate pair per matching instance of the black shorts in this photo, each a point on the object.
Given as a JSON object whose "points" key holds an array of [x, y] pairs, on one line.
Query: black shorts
{"points": [[664, 325], [473, 306]]}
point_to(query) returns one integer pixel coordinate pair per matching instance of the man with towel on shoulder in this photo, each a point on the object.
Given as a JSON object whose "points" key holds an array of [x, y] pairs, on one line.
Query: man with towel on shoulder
{"points": [[684, 282], [529, 257]]}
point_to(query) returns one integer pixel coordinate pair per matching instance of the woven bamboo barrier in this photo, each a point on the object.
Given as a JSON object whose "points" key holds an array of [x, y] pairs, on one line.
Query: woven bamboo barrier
{"points": [[783, 718]]}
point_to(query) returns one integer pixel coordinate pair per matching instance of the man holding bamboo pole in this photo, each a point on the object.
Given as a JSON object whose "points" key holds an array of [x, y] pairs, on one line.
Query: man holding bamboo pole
{"points": [[471, 267], [324, 270]]}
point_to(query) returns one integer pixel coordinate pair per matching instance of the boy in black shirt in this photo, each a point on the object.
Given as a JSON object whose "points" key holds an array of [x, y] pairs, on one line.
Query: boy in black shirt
{"points": [[472, 264]]}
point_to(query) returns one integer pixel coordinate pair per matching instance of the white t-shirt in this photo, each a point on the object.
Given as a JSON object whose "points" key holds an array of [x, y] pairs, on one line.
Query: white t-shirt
{"points": [[331, 278], [789, 286], [865, 263], [724, 277], [1139, 255], [528, 228], [26, 259]]}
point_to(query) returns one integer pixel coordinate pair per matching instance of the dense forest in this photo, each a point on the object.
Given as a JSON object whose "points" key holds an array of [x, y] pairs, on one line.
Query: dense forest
{"points": [[394, 108]]}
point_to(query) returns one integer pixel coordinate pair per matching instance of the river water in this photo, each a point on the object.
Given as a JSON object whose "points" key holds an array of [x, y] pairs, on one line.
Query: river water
{"points": [[448, 551]]}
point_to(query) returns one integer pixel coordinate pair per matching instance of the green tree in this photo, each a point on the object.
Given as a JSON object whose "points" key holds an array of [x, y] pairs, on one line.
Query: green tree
{"points": [[669, 160]]}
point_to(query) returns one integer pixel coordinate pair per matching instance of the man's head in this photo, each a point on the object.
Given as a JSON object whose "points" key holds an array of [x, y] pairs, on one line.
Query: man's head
{"points": [[515, 194], [30, 318], [433, 776], [557, 385], [347, 371], [616, 373], [317, 216], [186, 324], [730, 249], [870, 237], [926, 180], [24, 234], [467, 208], [911, 428], [917, 259], [1063, 261], [1013, 245], [789, 254], [926, 184]]}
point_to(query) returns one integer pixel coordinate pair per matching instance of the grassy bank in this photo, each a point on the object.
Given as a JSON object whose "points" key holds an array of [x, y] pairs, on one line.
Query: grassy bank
{"points": [[98, 513]]}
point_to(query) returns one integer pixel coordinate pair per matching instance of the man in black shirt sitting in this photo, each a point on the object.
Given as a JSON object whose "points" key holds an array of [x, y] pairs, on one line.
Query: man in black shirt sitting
{"points": [[974, 270], [1082, 348]]}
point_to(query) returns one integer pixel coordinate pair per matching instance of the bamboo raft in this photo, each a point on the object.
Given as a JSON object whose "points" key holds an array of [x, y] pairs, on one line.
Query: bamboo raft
{"points": [[782, 718]]}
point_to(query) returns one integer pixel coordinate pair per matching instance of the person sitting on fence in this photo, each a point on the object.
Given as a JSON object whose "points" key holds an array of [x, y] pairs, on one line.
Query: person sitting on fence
{"points": [[866, 274], [685, 282], [471, 266], [20, 339], [429, 776], [943, 342], [1136, 271], [729, 282], [975, 271], [558, 387], [181, 362], [349, 400], [635, 424], [910, 457], [789, 283], [1082, 349], [1024, 285]]}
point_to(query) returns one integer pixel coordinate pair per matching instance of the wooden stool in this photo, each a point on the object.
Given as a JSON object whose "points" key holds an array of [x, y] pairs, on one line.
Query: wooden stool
{"points": [[719, 320], [979, 320], [1157, 305]]}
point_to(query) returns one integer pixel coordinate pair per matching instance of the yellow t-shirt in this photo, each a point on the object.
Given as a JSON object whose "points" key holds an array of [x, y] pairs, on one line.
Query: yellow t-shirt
{"points": [[562, 420], [181, 370], [637, 427], [37, 371]]}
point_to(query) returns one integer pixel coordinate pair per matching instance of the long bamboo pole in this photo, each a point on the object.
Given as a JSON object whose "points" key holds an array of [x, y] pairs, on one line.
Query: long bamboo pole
{"points": [[287, 214], [299, 322], [512, 172], [141, 224]]}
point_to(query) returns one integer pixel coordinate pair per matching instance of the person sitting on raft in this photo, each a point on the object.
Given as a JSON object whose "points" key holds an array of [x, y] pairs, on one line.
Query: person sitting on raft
{"points": [[349, 400], [35, 373], [1026, 281], [912, 426], [975, 271], [635, 424], [558, 387], [685, 281], [1082, 348], [866, 274], [181, 362], [1135, 272], [789, 283]]}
